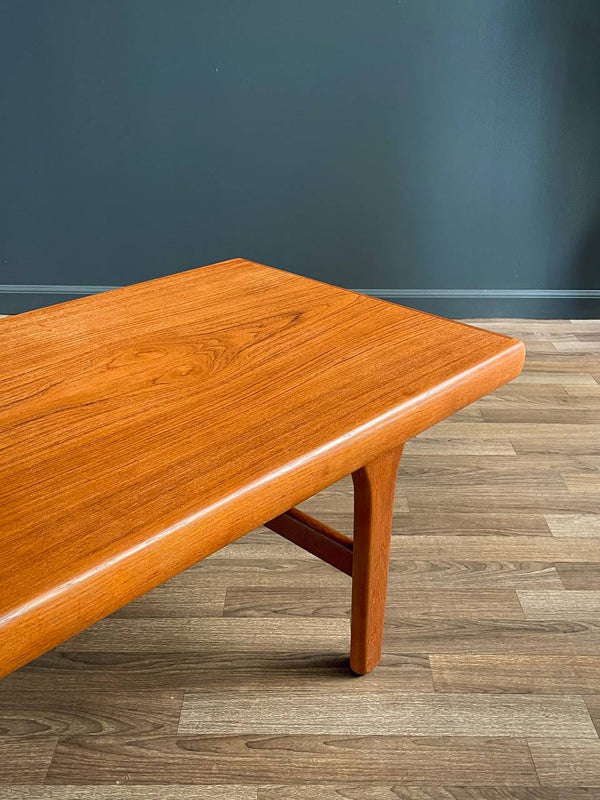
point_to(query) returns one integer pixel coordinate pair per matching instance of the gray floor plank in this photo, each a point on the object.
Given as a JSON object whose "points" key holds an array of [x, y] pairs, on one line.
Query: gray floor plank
{"points": [[394, 714]]}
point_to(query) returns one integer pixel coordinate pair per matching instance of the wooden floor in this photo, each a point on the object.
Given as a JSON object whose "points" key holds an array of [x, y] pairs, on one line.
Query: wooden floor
{"points": [[231, 680]]}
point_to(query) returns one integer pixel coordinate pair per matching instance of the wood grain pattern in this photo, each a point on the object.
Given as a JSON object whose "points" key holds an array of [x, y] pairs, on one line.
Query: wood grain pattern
{"points": [[542, 474], [526, 674], [454, 574], [584, 390], [578, 480], [286, 630], [338, 496], [582, 415], [593, 705], [474, 548], [143, 429], [565, 362], [548, 444], [404, 523], [458, 446], [404, 574], [433, 523], [529, 501], [129, 792], [572, 605], [412, 604], [374, 486], [261, 544], [297, 571], [421, 791], [315, 537], [574, 524], [24, 761], [331, 713], [225, 671], [493, 636], [223, 635], [562, 431], [175, 601], [259, 759], [578, 345], [37, 715], [566, 379], [570, 762], [580, 575]]}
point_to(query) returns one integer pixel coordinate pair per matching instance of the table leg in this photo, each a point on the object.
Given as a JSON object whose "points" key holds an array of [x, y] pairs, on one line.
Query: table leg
{"points": [[373, 506]]}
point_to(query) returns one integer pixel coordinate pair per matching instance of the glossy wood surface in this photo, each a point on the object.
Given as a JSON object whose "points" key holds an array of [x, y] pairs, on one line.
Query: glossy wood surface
{"points": [[315, 537], [147, 427], [374, 486], [487, 656]]}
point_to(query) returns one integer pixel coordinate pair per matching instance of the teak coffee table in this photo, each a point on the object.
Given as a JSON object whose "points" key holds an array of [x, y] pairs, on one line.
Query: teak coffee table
{"points": [[145, 428]]}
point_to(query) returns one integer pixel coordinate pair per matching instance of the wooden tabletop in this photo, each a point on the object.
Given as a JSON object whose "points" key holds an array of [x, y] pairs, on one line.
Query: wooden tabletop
{"points": [[146, 427]]}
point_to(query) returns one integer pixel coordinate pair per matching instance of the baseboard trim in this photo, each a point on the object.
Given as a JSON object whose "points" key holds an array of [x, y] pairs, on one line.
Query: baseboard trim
{"points": [[386, 294], [52, 288], [526, 303], [479, 294]]}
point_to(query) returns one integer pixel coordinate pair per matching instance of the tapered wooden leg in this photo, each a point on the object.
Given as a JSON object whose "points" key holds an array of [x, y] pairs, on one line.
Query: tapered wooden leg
{"points": [[373, 505]]}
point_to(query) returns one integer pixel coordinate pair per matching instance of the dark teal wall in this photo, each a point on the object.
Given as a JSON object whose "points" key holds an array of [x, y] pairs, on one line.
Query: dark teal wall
{"points": [[383, 144]]}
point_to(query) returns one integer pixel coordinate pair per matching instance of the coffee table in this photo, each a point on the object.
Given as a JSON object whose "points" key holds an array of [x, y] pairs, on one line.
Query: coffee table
{"points": [[145, 428]]}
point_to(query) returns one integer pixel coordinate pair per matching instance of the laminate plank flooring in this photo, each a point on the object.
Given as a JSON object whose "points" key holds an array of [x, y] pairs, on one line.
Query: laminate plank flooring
{"points": [[23, 761], [580, 575], [414, 604], [354, 714], [214, 635], [571, 762], [515, 548], [41, 715], [129, 792], [480, 523], [420, 792], [294, 759], [523, 673], [194, 670], [572, 605], [573, 524], [206, 602], [230, 682], [593, 705]]}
